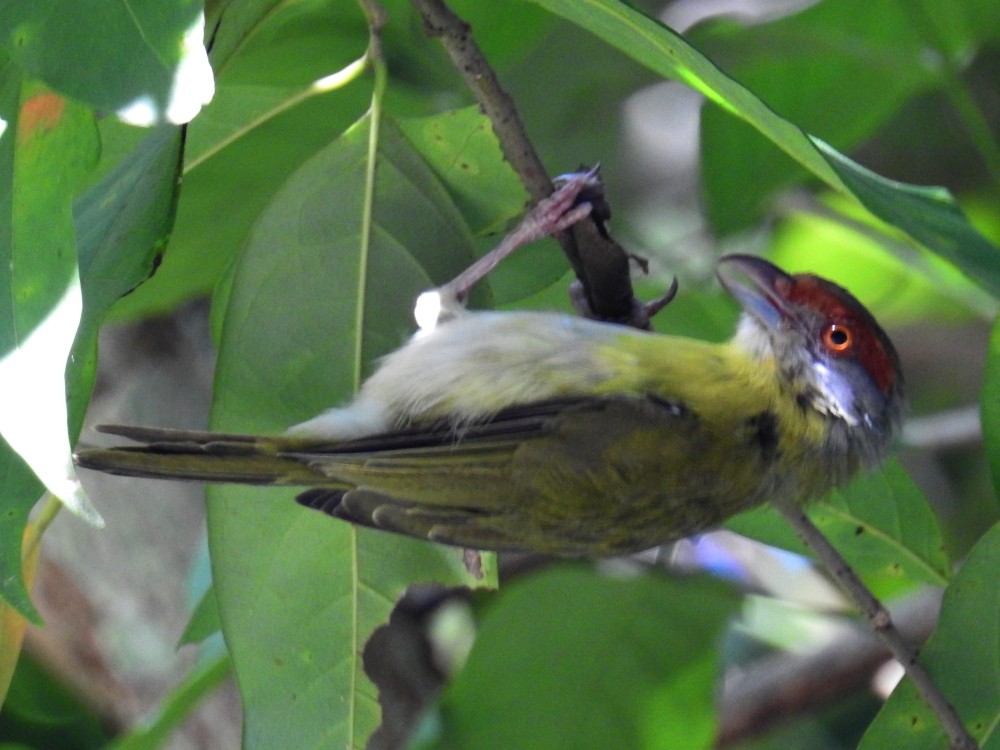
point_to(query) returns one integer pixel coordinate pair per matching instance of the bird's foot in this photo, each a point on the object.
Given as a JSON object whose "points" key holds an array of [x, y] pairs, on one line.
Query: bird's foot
{"points": [[556, 213]]}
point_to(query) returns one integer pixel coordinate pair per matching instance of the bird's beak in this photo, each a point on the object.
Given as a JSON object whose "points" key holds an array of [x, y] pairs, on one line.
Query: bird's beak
{"points": [[760, 287]]}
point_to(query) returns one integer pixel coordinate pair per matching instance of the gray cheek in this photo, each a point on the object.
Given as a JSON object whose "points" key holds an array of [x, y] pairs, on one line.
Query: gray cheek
{"points": [[853, 396], [838, 392]]}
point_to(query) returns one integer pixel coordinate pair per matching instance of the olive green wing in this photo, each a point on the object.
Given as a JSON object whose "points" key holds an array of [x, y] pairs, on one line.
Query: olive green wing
{"points": [[574, 477], [583, 476]]}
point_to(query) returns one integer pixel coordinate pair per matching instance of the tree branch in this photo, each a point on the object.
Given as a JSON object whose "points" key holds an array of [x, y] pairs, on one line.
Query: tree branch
{"points": [[600, 263]]}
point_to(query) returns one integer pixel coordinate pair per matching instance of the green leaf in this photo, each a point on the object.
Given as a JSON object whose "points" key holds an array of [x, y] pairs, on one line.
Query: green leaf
{"points": [[204, 620], [40, 710], [880, 522], [665, 52], [990, 407], [961, 656], [122, 224], [46, 150], [929, 215], [145, 61], [836, 69], [283, 45], [463, 152], [571, 659], [176, 707], [252, 137], [325, 286]]}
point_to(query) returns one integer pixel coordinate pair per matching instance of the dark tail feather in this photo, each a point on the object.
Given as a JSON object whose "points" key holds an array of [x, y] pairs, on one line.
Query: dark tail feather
{"points": [[202, 456]]}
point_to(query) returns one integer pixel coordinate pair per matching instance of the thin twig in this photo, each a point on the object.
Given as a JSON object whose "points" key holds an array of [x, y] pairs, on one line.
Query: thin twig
{"points": [[456, 36], [600, 264], [958, 737], [952, 428]]}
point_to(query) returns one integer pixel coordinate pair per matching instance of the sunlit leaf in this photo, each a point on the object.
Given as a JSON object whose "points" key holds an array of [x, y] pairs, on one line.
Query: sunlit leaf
{"points": [[463, 152], [49, 145], [843, 242], [145, 61], [461, 148], [928, 214]]}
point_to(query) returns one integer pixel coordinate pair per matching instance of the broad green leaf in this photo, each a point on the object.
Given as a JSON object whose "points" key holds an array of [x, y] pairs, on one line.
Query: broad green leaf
{"points": [[268, 117], [145, 61], [962, 657], [463, 152], [571, 659], [929, 215], [990, 407], [880, 522], [211, 225], [284, 45], [48, 146], [122, 223], [665, 52], [325, 285], [21, 487], [248, 141]]}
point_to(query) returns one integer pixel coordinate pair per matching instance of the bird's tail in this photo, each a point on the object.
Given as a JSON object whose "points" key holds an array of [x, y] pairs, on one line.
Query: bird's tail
{"points": [[205, 456]]}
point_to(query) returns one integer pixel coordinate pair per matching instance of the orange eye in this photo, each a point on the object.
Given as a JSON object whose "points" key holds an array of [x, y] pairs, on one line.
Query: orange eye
{"points": [[837, 338]]}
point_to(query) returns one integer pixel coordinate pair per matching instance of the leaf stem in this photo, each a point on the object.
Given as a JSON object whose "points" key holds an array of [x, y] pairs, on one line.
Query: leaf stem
{"points": [[958, 736], [376, 17]]}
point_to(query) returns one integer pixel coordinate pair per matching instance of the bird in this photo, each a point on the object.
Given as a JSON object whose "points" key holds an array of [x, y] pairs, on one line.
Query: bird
{"points": [[556, 434]]}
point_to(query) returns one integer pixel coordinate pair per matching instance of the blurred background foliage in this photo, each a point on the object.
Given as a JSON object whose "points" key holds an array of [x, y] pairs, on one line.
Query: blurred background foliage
{"points": [[316, 194]]}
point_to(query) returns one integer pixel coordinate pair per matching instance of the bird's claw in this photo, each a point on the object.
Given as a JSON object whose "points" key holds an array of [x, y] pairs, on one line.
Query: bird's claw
{"points": [[556, 213]]}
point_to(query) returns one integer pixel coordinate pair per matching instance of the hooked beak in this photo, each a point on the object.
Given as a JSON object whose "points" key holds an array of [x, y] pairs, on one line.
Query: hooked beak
{"points": [[760, 287]]}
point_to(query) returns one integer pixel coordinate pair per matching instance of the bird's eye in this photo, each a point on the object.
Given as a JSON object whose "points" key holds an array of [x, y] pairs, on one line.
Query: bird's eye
{"points": [[837, 338]]}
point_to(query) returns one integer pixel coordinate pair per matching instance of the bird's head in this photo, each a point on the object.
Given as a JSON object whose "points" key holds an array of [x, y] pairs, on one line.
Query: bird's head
{"points": [[831, 354]]}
